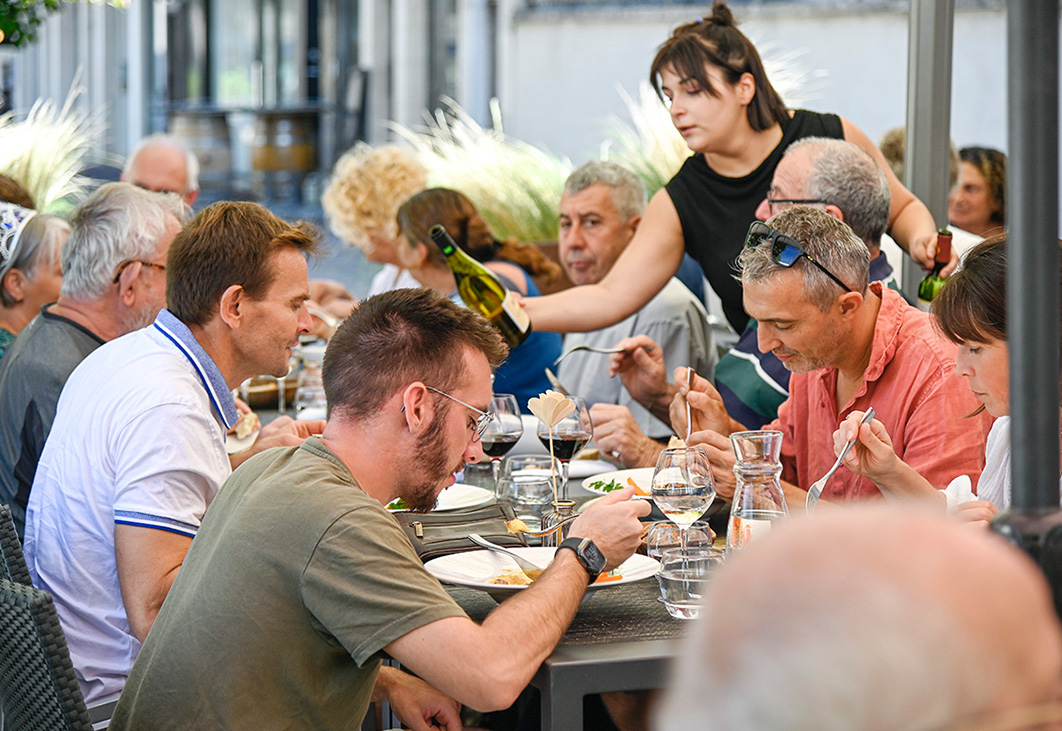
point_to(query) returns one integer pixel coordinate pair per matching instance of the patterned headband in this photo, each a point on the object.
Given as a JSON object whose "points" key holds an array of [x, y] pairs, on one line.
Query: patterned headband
{"points": [[12, 220]]}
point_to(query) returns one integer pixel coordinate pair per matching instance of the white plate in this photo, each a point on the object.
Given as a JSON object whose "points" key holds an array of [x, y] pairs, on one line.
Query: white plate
{"points": [[642, 476], [580, 468], [234, 445], [475, 568], [458, 496]]}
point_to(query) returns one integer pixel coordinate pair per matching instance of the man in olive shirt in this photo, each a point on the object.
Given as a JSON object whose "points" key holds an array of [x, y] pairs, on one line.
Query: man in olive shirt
{"points": [[299, 579]]}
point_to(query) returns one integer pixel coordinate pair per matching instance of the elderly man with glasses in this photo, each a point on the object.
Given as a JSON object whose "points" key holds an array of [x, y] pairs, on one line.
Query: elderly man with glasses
{"points": [[850, 345], [299, 580]]}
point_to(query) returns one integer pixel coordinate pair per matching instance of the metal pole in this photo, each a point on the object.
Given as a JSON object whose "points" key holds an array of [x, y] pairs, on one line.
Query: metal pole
{"points": [[929, 51], [1032, 275]]}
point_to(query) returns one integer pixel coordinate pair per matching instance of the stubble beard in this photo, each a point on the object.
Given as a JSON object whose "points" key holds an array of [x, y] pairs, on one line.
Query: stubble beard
{"points": [[428, 468]]}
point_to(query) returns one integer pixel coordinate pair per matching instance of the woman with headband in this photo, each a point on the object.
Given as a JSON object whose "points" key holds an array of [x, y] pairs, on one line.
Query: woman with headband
{"points": [[30, 266]]}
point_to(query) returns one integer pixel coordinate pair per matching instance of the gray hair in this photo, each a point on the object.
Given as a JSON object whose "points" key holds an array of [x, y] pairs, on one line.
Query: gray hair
{"points": [[628, 192], [825, 239], [118, 222], [845, 175], [38, 246], [161, 138]]}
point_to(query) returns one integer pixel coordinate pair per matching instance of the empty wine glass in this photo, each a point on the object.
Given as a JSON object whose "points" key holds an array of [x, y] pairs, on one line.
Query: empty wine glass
{"points": [[683, 487], [570, 435], [504, 430]]}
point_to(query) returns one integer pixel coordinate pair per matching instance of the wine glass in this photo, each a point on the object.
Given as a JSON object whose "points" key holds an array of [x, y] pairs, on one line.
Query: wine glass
{"points": [[570, 435], [504, 430], [683, 487]]}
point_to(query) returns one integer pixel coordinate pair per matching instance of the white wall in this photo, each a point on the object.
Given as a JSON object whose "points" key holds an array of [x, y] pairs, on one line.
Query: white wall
{"points": [[559, 80]]}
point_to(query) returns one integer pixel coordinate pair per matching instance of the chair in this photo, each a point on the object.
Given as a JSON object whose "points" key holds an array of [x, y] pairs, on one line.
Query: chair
{"points": [[13, 563], [38, 686]]}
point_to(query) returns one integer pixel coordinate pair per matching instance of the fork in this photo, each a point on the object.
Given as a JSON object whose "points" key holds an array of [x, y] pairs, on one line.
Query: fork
{"points": [[531, 570], [550, 530], [816, 488], [606, 351]]}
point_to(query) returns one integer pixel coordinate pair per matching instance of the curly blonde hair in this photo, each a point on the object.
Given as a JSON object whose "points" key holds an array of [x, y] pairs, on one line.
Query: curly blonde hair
{"points": [[368, 185]]}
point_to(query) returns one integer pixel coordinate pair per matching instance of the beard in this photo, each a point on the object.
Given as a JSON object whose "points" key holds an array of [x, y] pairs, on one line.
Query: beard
{"points": [[428, 467]]}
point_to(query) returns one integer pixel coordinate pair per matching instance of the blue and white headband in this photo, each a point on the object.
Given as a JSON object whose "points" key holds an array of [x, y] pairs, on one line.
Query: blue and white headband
{"points": [[13, 220]]}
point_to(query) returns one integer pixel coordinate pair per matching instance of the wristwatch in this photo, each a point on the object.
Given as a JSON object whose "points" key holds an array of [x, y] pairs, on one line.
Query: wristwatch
{"points": [[589, 555]]}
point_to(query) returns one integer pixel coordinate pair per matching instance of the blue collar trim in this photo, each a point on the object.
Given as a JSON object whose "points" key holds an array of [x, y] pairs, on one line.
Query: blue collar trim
{"points": [[220, 394]]}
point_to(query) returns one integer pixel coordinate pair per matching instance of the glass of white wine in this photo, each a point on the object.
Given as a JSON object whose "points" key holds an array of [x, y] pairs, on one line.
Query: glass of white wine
{"points": [[683, 487]]}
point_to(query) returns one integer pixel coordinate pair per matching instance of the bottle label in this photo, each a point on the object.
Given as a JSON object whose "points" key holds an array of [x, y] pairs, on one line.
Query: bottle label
{"points": [[517, 313]]}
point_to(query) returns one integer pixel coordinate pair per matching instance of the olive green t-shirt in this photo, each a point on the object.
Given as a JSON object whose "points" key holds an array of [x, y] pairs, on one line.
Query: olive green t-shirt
{"points": [[295, 582]]}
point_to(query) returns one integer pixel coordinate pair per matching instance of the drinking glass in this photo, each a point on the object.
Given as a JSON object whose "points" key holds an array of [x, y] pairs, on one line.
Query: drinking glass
{"points": [[569, 436], [684, 578], [758, 496], [663, 535], [683, 487], [504, 430], [530, 493]]}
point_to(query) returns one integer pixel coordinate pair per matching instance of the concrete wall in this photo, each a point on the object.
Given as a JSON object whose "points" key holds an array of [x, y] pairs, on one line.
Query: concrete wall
{"points": [[559, 76]]}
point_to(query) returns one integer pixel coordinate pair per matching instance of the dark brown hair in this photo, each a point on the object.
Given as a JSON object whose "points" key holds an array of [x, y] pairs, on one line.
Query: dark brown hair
{"points": [[227, 243], [717, 41], [399, 337], [992, 164], [972, 304], [13, 192], [470, 232]]}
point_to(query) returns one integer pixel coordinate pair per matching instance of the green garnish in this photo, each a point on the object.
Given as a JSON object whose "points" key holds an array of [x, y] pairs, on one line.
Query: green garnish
{"points": [[602, 486], [398, 504]]}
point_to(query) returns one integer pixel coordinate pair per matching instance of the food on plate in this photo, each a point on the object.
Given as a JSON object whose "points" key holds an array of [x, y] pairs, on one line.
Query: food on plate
{"points": [[510, 577], [675, 442], [638, 489], [602, 486], [608, 576], [516, 526], [398, 504], [246, 425], [589, 453]]}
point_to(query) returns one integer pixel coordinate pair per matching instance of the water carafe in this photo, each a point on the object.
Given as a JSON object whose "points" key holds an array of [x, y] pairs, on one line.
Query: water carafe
{"points": [[758, 498]]}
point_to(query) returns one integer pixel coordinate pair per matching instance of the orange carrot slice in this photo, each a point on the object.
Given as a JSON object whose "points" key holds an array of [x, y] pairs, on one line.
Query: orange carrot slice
{"points": [[637, 488], [606, 578]]}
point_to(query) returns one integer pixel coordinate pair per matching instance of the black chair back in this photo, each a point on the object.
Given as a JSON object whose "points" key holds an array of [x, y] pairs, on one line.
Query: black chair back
{"points": [[12, 562], [38, 686]]}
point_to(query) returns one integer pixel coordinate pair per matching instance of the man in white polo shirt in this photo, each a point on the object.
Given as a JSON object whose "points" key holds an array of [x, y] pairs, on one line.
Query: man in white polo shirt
{"points": [[137, 450]]}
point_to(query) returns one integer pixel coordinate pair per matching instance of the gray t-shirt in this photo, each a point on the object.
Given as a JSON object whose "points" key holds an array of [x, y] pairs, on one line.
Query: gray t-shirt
{"points": [[32, 374], [295, 582]]}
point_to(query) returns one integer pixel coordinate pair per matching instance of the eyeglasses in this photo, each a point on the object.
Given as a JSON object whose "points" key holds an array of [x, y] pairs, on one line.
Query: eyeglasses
{"points": [[482, 421], [777, 205], [785, 250], [124, 264]]}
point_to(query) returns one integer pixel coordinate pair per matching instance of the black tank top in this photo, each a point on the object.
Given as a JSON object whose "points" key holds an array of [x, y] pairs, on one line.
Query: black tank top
{"points": [[715, 211]]}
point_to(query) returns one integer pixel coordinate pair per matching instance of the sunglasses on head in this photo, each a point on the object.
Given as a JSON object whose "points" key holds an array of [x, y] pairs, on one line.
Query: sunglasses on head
{"points": [[785, 250]]}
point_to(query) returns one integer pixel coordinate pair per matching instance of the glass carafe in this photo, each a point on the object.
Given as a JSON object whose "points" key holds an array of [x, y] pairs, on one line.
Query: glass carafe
{"points": [[758, 498], [562, 509]]}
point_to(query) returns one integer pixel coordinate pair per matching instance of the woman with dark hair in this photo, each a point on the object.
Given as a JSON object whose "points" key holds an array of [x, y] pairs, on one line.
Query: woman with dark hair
{"points": [[971, 311], [30, 266], [523, 374], [738, 127], [978, 201]]}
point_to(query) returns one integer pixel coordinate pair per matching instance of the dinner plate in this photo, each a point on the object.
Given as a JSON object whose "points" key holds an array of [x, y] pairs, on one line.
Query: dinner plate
{"points": [[474, 569], [642, 476], [458, 496], [233, 444]]}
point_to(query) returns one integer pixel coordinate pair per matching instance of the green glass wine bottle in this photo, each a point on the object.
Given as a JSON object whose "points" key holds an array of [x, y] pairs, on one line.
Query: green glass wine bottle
{"points": [[482, 291], [932, 282]]}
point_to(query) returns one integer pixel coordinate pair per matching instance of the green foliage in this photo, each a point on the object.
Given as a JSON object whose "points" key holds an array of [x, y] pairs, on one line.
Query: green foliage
{"points": [[19, 19]]}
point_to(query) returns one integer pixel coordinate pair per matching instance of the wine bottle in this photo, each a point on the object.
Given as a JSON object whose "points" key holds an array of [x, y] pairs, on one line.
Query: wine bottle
{"points": [[482, 291], [932, 282]]}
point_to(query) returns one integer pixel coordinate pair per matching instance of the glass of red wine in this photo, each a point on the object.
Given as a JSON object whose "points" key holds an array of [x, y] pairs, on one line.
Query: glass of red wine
{"points": [[504, 430], [569, 436]]}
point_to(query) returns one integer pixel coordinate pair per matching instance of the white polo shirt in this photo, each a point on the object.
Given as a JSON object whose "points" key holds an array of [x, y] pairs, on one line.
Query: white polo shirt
{"points": [[138, 439]]}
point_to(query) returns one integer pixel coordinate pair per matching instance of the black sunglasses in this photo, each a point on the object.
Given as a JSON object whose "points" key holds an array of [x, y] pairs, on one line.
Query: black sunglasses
{"points": [[785, 250]]}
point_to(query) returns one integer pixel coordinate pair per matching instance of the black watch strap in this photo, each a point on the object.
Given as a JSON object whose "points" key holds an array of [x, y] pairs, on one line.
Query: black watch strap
{"points": [[589, 556]]}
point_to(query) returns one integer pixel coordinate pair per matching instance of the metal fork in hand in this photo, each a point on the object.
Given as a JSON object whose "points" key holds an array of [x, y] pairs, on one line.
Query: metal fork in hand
{"points": [[606, 351], [532, 571], [816, 488]]}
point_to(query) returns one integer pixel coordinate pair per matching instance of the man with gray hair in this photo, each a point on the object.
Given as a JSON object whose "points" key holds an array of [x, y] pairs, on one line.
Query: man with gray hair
{"points": [[872, 619], [600, 210], [850, 345], [161, 164], [113, 282]]}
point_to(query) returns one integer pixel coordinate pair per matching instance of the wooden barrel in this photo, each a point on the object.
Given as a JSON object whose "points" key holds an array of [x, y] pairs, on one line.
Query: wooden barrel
{"points": [[206, 133], [285, 141]]}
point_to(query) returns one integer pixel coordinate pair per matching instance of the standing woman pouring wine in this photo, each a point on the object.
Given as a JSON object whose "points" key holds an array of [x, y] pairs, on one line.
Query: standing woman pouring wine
{"points": [[738, 127]]}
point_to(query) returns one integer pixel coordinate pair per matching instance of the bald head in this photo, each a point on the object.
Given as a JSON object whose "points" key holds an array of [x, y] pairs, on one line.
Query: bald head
{"points": [[872, 619], [162, 164]]}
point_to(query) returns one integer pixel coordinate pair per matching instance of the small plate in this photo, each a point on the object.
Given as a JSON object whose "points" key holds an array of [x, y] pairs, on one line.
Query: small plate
{"points": [[458, 496], [474, 569], [642, 476], [234, 444]]}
